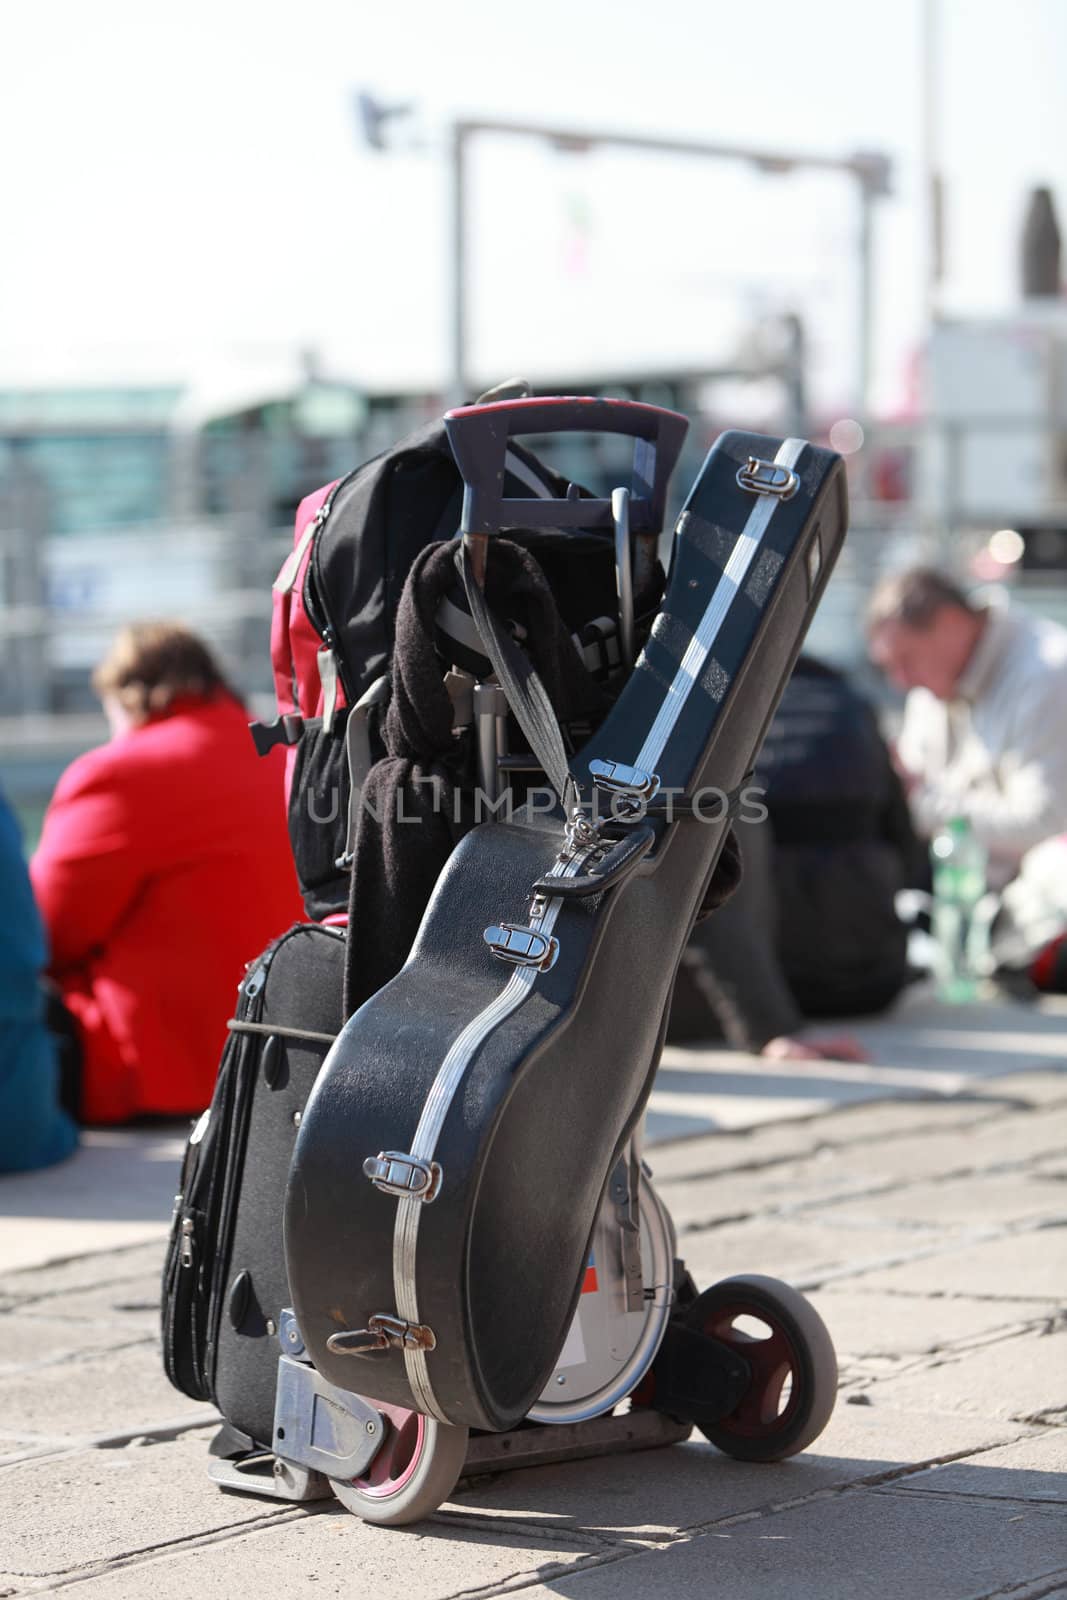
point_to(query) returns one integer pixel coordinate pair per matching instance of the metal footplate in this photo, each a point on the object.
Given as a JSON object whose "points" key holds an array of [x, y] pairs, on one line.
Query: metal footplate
{"points": [[261, 1473], [768, 477], [531, 1446], [521, 946], [408, 1177]]}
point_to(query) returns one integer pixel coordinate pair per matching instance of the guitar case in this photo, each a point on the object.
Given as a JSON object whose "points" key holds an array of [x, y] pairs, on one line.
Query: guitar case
{"points": [[452, 1157]]}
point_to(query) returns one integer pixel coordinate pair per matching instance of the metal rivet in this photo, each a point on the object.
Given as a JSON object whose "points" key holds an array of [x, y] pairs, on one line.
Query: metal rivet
{"points": [[372, 1427], [294, 1337], [296, 1119], [560, 1378], [272, 1326]]}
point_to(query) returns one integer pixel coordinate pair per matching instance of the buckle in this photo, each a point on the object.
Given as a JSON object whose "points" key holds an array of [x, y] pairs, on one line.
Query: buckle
{"points": [[521, 946], [288, 730], [768, 477], [407, 1177]]}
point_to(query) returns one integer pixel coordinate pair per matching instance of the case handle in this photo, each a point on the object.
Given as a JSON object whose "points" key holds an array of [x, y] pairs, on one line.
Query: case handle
{"points": [[479, 438]]}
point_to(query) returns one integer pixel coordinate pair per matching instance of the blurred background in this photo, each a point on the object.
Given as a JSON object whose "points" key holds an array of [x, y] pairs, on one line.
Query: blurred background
{"points": [[250, 244]]}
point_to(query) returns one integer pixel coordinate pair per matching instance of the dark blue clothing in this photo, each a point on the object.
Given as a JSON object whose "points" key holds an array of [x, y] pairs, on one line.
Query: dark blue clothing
{"points": [[34, 1131]]}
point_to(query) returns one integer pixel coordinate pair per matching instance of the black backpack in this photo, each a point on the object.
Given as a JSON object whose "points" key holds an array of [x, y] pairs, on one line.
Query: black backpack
{"points": [[843, 846], [335, 606]]}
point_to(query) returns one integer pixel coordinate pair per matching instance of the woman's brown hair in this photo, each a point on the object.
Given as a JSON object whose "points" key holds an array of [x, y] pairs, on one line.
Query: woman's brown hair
{"points": [[152, 664]]}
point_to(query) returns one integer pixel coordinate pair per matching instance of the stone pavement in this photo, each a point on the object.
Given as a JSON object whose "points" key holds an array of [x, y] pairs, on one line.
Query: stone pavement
{"points": [[931, 1234]]}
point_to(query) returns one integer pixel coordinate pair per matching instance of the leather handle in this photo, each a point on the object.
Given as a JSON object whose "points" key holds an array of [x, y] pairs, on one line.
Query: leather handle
{"points": [[621, 861]]}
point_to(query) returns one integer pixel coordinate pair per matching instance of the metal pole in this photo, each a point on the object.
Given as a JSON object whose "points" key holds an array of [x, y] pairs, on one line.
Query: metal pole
{"points": [[457, 385], [932, 204], [866, 302]]}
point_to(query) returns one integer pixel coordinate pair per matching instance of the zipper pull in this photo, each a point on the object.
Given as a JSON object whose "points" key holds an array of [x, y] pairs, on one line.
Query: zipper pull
{"points": [[255, 981], [186, 1254], [283, 583], [327, 661]]}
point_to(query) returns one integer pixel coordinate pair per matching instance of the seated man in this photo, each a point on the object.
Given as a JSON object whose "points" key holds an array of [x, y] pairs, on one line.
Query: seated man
{"points": [[163, 868], [984, 737], [34, 1130], [984, 734]]}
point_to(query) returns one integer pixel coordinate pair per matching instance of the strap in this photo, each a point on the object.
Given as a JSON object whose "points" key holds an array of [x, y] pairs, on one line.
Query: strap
{"points": [[360, 761], [526, 694], [273, 1031]]}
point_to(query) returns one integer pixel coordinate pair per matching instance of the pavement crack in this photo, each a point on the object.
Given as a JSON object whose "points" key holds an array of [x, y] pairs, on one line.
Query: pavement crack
{"points": [[63, 1577], [548, 1574], [587, 1540], [1029, 1589]]}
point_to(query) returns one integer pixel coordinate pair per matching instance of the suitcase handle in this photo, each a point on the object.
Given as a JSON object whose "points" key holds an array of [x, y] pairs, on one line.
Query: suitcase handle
{"points": [[479, 438]]}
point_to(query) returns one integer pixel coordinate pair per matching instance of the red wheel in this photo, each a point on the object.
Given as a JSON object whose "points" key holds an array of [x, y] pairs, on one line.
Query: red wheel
{"points": [[793, 1387], [416, 1468]]}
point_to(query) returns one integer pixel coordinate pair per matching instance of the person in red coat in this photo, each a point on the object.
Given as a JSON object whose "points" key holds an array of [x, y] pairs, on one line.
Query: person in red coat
{"points": [[163, 868]]}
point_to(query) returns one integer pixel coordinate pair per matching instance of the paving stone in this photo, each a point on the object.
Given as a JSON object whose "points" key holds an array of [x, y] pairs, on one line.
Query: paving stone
{"points": [[786, 1187], [653, 1493], [894, 1325], [1048, 1087], [334, 1553], [100, 1267], [798, 1251], [993, 1142], [1022, 1378], [127, 1302], [1026, 1266], [100, 1394], [894, 1120], [727, 1152], [115, 1502], [1031, 1469], [958, 1203], [28, 1342], [860, 1546], [36, 1242]]}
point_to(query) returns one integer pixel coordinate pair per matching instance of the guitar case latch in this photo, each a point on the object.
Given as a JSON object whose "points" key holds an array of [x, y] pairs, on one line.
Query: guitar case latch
{"points": [[521, 946], [407, 1177]]}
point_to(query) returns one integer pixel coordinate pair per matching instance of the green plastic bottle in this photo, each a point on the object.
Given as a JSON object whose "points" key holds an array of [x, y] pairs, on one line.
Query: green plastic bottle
{"points": [[959, 866]]}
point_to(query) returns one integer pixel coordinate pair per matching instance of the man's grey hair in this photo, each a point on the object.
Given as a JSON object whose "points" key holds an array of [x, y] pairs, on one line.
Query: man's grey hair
{"points": [[914, 598]]}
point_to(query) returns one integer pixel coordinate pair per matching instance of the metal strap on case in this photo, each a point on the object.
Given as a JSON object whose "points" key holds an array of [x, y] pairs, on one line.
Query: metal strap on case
{"points": [[726, 591], [449, 1077]]}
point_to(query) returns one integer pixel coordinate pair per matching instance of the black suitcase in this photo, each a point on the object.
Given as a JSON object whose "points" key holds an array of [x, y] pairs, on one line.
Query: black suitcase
{"points": [[224, 1282], [450, 1166]]}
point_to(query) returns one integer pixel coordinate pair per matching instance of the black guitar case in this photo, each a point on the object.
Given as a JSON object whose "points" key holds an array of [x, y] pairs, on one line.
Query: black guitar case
{"points": [[452, 1157]]}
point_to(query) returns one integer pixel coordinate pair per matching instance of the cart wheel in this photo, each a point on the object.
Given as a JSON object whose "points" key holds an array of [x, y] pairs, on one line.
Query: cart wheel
{"points": [[794, 1369], [417, 1467]]}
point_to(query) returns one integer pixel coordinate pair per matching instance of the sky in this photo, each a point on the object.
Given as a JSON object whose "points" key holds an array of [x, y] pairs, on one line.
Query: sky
{"points": [[186, 192]]}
